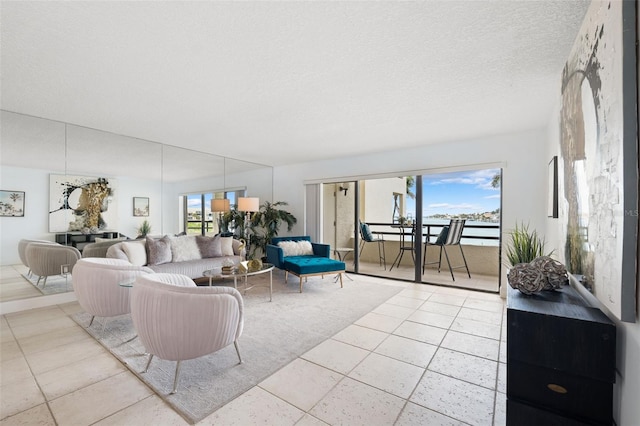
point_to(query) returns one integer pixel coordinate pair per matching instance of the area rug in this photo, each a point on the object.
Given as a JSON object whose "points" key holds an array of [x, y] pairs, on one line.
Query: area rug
{"points": [[275, 333], [55, 284]]}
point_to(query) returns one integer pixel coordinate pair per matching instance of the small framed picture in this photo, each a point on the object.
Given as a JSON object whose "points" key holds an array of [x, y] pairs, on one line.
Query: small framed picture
{"points": [[552, 200], [12, 203], [141, 206]]}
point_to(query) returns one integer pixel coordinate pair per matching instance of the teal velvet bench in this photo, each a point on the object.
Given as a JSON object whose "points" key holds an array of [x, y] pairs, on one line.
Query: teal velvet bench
{"points": [[303, 259]]}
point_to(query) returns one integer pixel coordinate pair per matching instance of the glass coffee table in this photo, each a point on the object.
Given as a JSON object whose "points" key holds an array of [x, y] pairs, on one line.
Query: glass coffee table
{"points": [[235, 273]]}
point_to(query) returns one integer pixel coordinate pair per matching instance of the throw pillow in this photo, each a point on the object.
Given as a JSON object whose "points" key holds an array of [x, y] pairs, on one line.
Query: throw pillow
{"points": [[226, 246], [209, 246], [305, 247], [136, 252], [184, 248], [366, 232], [296, 248], [158, 251]]}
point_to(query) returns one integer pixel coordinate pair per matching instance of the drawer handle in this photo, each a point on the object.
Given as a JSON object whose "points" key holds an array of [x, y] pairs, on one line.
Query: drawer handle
{"points": [[557, 388]]}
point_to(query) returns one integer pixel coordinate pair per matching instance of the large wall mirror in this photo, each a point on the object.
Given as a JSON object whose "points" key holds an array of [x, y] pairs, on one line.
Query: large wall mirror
{"points": [[146, 179]]}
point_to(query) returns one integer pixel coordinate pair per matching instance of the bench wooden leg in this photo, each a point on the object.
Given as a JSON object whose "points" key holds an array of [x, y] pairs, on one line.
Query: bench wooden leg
{"points": [[340, 279], [286, 276], [300, 284]]}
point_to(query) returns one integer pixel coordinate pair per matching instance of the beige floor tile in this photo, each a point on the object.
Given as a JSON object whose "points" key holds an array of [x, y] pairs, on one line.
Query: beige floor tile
{"points": [[43, 327], [394, 311], [415, 294], [421, 332], [407, 350], [455, 398], [473, 345], [479, 371], [448, 299], [76, 375], [481, 295], [430, 318], [354, 403], [361, 337], [503, 352], [254, 407], [71, 308], [407, 302], [453, 291], [150, 411], [301, 383], [336, 356], [54, 339], [19, 396], [476, 328], [440, 308], [309, 420], [415, 415], [500, 411], [38, 415], [9, 350], [484, 305], [379, 322], [502, 378], [14, 370], [487, 317], [51, 359], [388, 374], [104, 399], [35, 316], [17, 291]]}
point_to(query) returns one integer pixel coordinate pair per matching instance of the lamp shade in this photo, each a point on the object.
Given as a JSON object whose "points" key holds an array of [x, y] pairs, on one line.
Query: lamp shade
{"points": [[248, 204], [220, 205]]}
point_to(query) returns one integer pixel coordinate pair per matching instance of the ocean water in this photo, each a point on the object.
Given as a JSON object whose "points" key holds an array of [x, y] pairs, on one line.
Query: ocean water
{"points": [[489, 229]]}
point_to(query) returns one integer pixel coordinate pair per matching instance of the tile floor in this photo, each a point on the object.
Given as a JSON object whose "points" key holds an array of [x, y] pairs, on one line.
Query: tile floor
{"points": [[429, 355]]}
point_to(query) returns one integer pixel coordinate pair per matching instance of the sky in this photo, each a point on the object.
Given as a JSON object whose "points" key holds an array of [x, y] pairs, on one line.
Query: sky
{"points": [[458, 192]]}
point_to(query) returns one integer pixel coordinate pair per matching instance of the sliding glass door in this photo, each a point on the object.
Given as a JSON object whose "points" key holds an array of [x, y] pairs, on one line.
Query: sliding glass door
{"points": [[395, 227]]}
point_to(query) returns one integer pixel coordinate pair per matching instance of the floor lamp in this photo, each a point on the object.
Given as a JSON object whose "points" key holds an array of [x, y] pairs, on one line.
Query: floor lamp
{"points": [[220, 206], [248, 205]]}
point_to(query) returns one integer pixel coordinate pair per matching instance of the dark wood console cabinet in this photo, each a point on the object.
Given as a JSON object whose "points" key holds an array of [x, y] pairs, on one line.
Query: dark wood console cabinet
{"points": [[79, 240], [560, 360]]}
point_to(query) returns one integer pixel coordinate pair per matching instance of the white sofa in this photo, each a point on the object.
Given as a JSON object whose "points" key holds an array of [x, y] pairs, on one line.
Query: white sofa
{"points": [[186, 255]]}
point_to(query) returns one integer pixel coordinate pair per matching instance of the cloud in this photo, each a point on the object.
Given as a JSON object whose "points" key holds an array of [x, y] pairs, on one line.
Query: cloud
{"points": [[480, 178], [492, 196]]}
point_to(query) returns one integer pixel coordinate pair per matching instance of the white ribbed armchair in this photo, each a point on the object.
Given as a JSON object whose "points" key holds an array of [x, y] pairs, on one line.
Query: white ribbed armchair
{"points": [[96, 282], [177, 320], [46, 259], [22, 250]]}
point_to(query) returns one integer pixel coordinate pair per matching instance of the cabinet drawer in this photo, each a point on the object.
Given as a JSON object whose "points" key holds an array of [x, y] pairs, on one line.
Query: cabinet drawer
{"points": [[520, 414], [566, 394]]}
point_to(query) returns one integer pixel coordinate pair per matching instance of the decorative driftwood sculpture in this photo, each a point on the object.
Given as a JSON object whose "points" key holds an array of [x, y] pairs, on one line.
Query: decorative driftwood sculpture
{"points": [[542, 273]]}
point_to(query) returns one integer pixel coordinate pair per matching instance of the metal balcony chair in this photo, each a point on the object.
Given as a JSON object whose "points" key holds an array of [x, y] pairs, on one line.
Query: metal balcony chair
{"points": [[366, 236], [449, 236]]}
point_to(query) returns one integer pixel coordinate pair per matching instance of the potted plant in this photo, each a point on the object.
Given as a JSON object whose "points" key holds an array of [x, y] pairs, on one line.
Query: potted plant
{"points": [[144, 229], [265, 225], [523, 245]]}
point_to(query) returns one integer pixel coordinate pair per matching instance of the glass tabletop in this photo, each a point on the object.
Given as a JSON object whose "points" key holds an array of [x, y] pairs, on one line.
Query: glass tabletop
{"points": [[236, 271]]}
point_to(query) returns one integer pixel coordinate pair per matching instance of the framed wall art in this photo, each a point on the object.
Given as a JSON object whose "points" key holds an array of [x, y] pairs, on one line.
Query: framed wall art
{"points": [[82, 203], [141, 206], [598, 159], [12, 203], [552, 194]]}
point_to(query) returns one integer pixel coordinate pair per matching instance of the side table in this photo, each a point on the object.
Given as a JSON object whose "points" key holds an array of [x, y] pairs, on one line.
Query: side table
{"points": [[342, 253]]}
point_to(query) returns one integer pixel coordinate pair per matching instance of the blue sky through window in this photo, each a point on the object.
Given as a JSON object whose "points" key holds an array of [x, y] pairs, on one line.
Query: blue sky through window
{"points": [[458, 193]]}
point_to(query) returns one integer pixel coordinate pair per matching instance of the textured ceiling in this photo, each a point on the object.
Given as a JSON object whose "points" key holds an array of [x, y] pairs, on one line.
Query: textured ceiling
{"points": [[286, 82]]}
